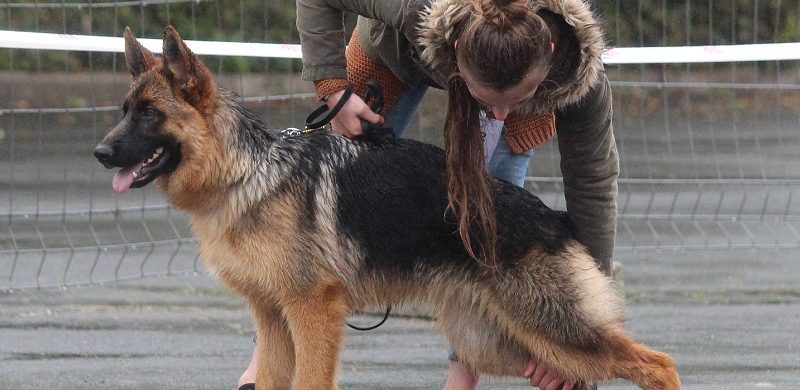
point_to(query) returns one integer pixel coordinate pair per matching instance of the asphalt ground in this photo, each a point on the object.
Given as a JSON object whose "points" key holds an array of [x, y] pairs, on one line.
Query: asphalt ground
{"points": [[729, 318]]}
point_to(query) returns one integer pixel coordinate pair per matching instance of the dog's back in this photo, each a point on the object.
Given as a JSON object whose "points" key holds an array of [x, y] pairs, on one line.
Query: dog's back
{"points": [[391, 199]]}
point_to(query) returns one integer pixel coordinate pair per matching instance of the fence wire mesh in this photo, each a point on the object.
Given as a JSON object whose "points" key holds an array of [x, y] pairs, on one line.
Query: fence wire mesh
{"points": [[709, 152]]}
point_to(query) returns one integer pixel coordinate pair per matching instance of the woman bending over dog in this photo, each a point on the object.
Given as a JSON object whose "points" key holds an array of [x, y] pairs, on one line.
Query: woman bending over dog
{"points": [[516, 73]]}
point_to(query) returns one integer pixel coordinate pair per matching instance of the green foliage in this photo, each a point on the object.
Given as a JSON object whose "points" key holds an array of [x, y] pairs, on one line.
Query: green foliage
{"points": [[677, 23], [270, 21]]}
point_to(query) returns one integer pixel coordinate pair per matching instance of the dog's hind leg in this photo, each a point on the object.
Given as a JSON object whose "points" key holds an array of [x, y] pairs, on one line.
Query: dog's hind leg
{"points": [[275, 348], [478, 342], [569, 316], [316, 321]]}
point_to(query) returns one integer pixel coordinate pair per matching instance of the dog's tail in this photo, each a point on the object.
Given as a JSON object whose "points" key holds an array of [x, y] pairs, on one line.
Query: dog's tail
{"points": [[619, 357], [562, 296], [570, 316]]}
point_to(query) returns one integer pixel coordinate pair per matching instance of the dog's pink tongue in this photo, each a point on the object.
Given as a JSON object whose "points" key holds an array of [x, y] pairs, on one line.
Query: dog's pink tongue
{"points": [[123, 179]]}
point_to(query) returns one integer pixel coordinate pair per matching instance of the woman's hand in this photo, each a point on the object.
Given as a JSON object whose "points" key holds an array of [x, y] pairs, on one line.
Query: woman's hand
{"points": [[348, 121], [541, 376]]}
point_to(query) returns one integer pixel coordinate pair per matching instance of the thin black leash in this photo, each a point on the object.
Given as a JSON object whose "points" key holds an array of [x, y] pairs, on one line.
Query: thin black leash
{"points": [[320, 119], [366, 328]]}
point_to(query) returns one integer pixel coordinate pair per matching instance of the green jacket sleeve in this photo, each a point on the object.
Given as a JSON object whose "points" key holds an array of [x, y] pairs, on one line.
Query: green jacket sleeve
{"points": [[590, 167], [320, 24]]}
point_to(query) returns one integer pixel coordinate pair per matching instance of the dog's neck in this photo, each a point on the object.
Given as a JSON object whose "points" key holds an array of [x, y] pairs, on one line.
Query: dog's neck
{"points": [[242, 159], [230, 164], [252, 130]]}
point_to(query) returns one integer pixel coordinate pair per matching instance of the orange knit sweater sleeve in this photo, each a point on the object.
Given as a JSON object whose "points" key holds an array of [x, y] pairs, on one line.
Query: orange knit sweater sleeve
{"points": [[526, 132], [361, 69]]}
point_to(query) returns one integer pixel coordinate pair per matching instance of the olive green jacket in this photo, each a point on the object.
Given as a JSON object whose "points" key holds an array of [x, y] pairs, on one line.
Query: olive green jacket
{"points": [[415, 40]]}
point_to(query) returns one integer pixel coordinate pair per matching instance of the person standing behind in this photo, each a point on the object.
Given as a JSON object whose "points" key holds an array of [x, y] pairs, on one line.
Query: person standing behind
{"points": [[527, 68]]}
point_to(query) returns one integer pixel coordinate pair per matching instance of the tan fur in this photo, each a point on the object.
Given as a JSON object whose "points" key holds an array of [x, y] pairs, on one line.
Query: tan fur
{"points": [[276, 348], [316, 319], [301, 279], [596, 288]]}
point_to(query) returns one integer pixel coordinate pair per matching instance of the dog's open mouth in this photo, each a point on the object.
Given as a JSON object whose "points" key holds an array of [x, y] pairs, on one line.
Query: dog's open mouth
{"points": [[142, 173]]}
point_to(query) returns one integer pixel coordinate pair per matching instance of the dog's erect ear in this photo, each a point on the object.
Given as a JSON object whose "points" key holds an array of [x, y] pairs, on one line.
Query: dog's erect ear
{"points": [[187, 70], [138, 58]]}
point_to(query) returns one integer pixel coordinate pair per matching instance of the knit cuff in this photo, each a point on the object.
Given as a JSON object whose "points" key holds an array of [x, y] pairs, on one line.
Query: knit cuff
{"points": [[329, 86], [524, 133], [361, 69]]}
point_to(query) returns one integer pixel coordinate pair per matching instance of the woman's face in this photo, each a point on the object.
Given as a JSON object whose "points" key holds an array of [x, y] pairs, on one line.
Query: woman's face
{"points": [[502, 102]]}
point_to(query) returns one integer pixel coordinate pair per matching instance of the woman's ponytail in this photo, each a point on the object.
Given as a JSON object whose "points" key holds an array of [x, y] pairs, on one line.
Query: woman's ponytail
{"points": [[469, 192], [498, 46]]}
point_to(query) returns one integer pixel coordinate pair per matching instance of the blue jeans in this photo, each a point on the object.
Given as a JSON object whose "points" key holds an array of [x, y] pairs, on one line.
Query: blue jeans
{"points": [[509, 166], [504, 164]]}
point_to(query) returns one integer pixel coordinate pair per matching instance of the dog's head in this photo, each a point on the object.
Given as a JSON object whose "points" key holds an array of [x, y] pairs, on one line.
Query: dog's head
{"points": [[165, 109]]}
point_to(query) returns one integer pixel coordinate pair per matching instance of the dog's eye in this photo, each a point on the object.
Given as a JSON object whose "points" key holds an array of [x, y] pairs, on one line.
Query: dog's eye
{"points": [[149, 112]]}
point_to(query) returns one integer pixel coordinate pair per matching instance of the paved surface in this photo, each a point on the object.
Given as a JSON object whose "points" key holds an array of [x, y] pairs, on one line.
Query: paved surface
{"points": [[729, 320]]}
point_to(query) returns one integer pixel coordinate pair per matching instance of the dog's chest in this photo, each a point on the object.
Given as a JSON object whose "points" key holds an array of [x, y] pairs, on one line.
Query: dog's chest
{"points": [[257, 255]]}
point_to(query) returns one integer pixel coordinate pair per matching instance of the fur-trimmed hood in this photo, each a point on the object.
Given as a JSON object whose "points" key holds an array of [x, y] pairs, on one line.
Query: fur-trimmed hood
{"points": [[577, 60]]}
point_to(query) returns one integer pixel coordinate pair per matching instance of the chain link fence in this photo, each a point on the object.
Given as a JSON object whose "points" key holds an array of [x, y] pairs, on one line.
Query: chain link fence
{"points": [[709, 152]]}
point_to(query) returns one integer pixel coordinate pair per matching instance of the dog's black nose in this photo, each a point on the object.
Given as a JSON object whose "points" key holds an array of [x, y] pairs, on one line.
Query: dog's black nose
{"points": [[104, 153]]}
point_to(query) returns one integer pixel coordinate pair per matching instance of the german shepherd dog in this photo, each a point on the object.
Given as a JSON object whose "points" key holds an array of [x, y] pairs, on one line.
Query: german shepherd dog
{"points": [[307, 228]]}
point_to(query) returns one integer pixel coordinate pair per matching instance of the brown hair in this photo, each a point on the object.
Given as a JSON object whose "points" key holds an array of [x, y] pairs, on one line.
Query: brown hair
{"points": [[468, 183], [497, 47], [502, 43]]}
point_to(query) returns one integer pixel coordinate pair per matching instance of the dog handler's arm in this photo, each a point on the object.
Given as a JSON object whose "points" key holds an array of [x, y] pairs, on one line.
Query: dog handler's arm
{"points": [[590, 167], [320, 24]]}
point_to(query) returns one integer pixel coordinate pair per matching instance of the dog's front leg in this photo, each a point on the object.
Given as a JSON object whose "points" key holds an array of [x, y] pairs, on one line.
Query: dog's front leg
{"points": [[316, 320], [275, 348]]}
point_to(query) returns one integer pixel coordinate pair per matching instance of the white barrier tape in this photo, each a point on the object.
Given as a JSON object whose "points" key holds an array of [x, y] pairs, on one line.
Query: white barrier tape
{"points": [[618, 55], [45, 41], [697, 54]]}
